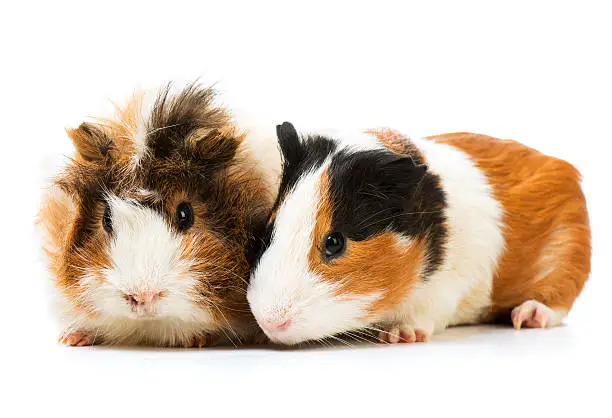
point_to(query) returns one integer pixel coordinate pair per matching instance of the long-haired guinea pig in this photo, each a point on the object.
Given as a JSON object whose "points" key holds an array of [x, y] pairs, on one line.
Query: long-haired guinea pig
{"points": [[376, 231], [150, 229]]}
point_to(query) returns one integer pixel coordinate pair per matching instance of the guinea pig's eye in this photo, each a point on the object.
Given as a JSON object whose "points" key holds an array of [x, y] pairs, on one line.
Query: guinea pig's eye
{"points": [[184, 216], [107, 222], [334, 245]]}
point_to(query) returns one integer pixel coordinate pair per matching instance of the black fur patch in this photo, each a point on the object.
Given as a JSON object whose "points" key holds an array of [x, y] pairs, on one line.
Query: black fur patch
{"points": [[299, 156], [371, 191], [377, 190]]}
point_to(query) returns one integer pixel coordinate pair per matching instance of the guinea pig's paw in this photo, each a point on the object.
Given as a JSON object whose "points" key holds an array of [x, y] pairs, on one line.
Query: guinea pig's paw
{"points": [[201, 340], [533, 314], [402, 333], [77, 338]]}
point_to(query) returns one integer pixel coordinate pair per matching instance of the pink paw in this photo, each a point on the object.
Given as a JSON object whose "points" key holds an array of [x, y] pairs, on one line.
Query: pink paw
{"points": [[77, 338], [402, 334], [533, 314], [201, 340]]}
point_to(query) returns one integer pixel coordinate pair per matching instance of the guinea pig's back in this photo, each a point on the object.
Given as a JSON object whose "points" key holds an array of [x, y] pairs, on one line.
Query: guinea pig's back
{"points": [[545, 226]]}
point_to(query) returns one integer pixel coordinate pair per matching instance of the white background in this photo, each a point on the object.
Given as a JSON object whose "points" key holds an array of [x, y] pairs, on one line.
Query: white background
{"points": [[538, 72]]}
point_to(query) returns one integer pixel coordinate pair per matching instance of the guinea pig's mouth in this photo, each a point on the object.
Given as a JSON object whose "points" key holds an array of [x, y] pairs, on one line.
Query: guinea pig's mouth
{"points": [[282, 341], [144, 316]]}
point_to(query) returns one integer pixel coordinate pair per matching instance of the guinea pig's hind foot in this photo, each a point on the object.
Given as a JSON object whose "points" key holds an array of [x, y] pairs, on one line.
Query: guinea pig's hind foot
{"points": [[77, 338], [534, 314], [201, 340], [404, 333]]}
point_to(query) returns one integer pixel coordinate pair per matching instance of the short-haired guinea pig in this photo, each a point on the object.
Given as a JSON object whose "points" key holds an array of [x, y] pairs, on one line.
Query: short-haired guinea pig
{"points": [[150, 229], [376, 231]]}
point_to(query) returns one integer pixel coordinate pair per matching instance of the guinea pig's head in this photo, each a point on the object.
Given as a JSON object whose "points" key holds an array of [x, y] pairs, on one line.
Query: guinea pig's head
{"points": [[151, 218], [352, 231]]}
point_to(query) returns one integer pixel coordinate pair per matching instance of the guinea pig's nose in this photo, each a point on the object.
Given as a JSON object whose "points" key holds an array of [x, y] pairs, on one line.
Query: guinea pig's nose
{"points": [[276, 325], [142, 299]]}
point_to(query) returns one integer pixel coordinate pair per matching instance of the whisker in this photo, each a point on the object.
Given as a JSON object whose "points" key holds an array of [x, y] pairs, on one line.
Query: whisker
{"points": [[372, 216], [399, 215], [379, 331], [93, 341], [228, 325], [230, 271], [161, 129], [358, 337], [385, 332], [341, 340]]}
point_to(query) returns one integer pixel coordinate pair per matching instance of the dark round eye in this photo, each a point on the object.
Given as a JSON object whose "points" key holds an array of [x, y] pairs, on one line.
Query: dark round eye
{"points": [[107, 222], [184, 216], [334, 245]]}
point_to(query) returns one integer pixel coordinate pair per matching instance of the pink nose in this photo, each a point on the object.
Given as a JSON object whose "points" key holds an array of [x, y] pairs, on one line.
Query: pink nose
{"points": [[275, 326], [143, 302]]}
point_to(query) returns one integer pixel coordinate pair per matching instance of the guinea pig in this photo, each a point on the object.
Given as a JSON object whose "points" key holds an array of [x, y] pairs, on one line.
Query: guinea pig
{"points": [[151, 228], [376, 231]]}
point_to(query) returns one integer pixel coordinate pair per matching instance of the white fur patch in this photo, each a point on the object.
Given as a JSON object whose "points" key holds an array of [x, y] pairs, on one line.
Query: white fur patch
{"points": [[460, 291], [353, 140], [146, 256], [146, 106], [282, 287]]}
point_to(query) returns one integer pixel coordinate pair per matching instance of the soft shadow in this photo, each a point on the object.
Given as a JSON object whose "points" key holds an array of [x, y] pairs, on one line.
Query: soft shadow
{"points": [[457, 334]]}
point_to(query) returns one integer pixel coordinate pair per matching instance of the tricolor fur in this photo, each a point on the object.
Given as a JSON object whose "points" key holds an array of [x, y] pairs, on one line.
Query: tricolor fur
{"points": [[446, 230], [124, 269]]}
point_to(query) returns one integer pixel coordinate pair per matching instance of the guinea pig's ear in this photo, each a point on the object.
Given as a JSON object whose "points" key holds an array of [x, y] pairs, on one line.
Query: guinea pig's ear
{"points": [[373, 185], [404, 171], [391, 174], [91, 142], [289, 142], [215, 147]]}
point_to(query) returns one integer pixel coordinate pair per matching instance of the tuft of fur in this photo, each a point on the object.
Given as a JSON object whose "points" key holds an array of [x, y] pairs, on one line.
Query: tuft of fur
{"points": [[163, 148]]}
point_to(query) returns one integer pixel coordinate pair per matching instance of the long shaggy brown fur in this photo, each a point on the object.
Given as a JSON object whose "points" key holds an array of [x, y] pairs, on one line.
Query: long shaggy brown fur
{"points": [[189, 150]]}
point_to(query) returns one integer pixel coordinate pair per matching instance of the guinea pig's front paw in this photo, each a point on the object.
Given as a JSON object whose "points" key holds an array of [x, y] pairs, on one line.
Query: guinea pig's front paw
{"points": [[77, 338], [402, 333], [201, 340]]}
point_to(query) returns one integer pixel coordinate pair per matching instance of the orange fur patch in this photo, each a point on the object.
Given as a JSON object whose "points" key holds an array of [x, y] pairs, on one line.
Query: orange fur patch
{"points": [[381, 264], [218, 269], [545, 222], [68, 265], [55, 218], [394, 141]]}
